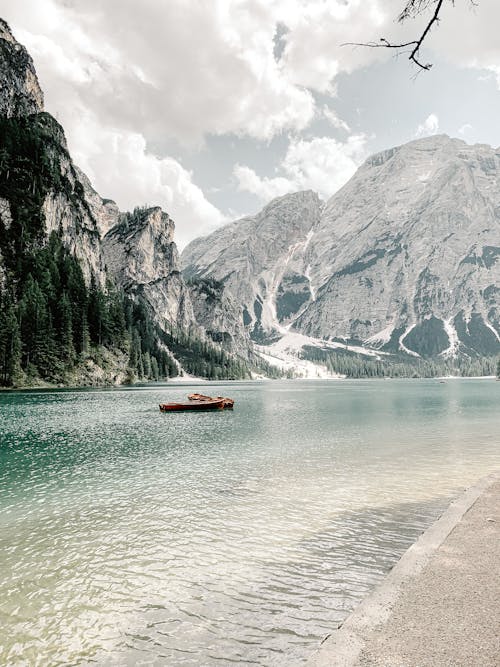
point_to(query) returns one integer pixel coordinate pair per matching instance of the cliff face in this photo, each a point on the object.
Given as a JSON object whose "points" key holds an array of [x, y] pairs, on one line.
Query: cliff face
{"points": [[20, 92], [73, 212], [54, 186], [404, 258], [220, 316], [141, 255]]}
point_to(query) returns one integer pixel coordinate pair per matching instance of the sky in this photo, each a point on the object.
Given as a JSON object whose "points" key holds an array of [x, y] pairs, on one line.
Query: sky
{"points": [[211, 108]]}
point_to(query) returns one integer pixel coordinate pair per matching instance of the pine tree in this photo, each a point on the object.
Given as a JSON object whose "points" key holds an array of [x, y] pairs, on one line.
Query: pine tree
{"points": [[10, 346], [67, 348]]}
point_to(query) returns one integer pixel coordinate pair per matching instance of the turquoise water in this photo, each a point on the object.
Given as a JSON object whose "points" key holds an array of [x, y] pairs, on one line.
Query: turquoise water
{"points": [[131, 537]]}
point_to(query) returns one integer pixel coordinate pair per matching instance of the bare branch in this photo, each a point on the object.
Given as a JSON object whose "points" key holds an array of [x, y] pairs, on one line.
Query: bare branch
{"points": [[412, 9]]}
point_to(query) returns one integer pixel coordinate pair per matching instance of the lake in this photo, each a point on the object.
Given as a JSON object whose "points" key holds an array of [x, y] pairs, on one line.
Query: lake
{"points": [[132, 537]]}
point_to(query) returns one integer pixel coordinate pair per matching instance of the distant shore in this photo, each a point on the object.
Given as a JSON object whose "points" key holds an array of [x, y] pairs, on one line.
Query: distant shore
{"points": [[187, 379]]}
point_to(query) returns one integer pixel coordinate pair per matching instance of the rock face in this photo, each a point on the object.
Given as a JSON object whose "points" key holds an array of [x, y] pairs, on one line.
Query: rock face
{"points": [[105, 212], [74, 209], [407, 253], [143, 258], [20, 92], [220, 316], [262, 261], [405, 257]]}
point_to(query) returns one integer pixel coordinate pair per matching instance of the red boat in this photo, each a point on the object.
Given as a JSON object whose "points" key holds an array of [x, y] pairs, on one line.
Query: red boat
{"points": [[212, 404], [228, 402]]}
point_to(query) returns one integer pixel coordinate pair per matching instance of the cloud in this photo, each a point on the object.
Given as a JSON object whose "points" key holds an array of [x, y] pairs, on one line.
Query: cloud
{"points": [[315, 53], [465, 129], [185, 69], [334, 120], [121, 76], [322, 164], [263, 187], [182, 68], [120, 167], [429, 126], [468, 35], [125, 75]]}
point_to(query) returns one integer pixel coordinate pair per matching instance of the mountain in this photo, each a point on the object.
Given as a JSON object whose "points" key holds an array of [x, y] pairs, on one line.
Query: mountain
{"points": [[20, 92], [262, 261], [404, 259], [88, 294], [220, 316], [142, 256]]}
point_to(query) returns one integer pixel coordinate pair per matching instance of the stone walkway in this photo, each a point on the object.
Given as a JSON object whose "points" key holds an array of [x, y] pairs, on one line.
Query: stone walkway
{"points": [[440, 605]]}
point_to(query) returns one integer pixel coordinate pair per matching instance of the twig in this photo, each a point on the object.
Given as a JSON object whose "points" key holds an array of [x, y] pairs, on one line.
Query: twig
{"points": [[416, 43]]}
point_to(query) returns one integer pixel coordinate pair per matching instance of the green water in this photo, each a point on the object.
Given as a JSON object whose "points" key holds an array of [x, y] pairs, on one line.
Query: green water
{"points": [[131, 537]]}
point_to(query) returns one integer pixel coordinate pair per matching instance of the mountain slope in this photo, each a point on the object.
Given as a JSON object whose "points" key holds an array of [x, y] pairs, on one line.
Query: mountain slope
{"points": [[262, 261], [406, 255], [405, 258], [142, 257]]}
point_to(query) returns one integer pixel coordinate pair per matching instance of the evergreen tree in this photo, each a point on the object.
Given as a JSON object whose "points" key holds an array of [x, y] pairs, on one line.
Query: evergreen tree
{"points": [[10, 346], [67, 348]]}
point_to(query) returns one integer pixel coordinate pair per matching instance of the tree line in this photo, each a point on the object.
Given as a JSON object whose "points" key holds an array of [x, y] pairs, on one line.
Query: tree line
{"points": [[357, 366]]}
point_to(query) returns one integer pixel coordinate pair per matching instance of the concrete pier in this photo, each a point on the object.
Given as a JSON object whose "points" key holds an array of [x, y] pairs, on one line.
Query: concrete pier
{"points": [[440, 605]]}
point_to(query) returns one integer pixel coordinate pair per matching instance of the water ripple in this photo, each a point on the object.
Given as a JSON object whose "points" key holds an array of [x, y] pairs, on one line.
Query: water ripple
{"points": [[131, 537]]}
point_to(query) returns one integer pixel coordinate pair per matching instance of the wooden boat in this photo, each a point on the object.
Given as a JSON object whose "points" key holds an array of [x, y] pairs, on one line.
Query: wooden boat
{"points": [[228, 402], [192, 406]]}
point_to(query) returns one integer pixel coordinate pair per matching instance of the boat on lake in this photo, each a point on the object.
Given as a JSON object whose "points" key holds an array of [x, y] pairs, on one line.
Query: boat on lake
{"points": [[228, 402], [193, 406]]}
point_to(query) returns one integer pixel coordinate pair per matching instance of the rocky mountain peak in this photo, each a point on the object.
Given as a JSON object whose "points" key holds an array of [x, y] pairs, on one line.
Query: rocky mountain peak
{"points": [[405, 257], [20, 92], [141, 255], [142, 245]]}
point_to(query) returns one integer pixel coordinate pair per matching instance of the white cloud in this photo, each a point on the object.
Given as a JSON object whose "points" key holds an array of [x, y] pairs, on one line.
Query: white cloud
{"points": [[263, 187], [154, 72], [334, 120], [121, 75], [322, 164], [429, 126], [120, 167], [314, 53], [465, 129], [468, 35], [181, 68], [185, 69]]}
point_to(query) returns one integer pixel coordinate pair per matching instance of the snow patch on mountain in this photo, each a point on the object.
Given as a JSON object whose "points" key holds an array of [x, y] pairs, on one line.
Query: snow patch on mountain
{"points": [[450, 330], [403, 347]]}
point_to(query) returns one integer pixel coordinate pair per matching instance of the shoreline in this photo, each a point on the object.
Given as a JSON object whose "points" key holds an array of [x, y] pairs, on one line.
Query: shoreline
{"points": [[366, 636], [196, 380]]}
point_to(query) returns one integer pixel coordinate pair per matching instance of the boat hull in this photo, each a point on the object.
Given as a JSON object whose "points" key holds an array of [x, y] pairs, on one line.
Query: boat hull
{"points": [[192, 406], [228, 402]]}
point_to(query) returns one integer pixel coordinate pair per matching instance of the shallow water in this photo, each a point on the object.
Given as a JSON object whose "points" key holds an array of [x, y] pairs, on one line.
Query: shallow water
{"points": [[131, 537]]}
